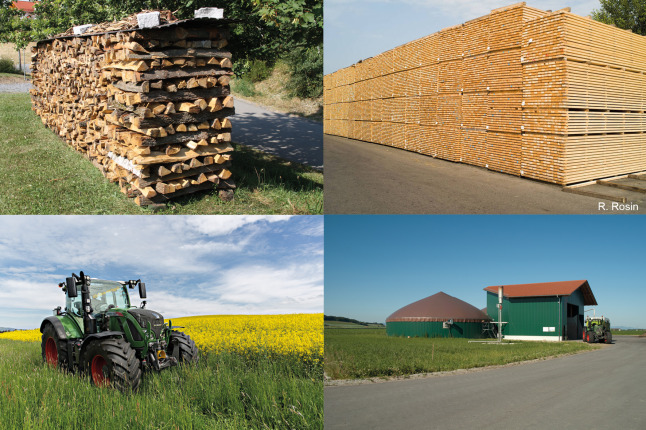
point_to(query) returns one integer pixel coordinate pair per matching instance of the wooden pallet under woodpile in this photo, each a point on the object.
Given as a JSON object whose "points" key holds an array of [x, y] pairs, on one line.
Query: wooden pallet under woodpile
{"points": [[546, 95]]}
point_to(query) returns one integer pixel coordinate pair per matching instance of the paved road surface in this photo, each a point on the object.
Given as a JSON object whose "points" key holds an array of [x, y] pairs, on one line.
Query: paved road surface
{"points": [[280, 134], [603, 389], [363, 177], [15, 87]]}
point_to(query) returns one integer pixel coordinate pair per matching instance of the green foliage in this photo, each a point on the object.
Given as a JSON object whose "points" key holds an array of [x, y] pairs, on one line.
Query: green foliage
{"points": [[362, 353], [268, 29], [306, 67], [258, 71], [244, 87], [7, 66], [626, 14], [224, 391], [636, 332]]}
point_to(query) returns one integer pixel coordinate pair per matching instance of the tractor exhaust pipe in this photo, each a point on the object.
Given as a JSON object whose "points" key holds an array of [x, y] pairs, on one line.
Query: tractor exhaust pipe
{"points": [[89, 322]]}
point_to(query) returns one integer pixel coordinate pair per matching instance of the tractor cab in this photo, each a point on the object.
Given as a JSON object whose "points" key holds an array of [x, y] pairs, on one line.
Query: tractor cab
{"points": [[104, 295]]}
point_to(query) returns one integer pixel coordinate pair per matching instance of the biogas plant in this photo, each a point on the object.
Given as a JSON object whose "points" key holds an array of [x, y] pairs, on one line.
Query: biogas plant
{"points": [[550, 311]]}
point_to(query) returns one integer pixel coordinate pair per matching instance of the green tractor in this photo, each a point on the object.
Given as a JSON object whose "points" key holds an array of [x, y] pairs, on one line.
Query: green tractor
{"points": [[100, 333], [597, 329]]}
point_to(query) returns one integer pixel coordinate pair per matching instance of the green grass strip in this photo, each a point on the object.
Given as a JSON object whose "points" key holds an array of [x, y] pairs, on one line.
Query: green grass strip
{"points": [[361, 353]]}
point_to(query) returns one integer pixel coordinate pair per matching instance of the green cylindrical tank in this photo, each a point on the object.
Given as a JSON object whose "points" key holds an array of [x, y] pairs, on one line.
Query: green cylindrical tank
{"points": [[439, 315]]}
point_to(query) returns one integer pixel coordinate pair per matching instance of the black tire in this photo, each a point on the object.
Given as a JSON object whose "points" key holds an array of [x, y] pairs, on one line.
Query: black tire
{"points": [[54, 349], [591, 337], [608, 337], [182, 347], [112, 362]]}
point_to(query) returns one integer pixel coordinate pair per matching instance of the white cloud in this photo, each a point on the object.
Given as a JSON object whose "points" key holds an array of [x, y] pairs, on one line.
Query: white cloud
{"points": [[28, 302], [292, 286], [224, 224], [192, 265], [181, 244]]}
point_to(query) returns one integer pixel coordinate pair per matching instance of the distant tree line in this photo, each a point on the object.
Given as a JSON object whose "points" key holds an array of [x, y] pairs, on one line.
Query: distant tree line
{"points": [[348, 320], [268, 30]]}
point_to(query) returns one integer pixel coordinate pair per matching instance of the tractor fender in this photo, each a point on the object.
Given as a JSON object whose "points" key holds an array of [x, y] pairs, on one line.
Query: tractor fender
{"points": [[101, 335], [57, 324]]}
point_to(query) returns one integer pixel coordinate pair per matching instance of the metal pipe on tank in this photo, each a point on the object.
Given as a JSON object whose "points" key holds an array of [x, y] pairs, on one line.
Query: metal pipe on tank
{"points": [[560, 325], [500, 313]]}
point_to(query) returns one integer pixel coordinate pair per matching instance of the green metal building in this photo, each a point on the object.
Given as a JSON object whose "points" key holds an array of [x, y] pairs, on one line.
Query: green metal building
{"points": [[542, 311], [439, 315]]}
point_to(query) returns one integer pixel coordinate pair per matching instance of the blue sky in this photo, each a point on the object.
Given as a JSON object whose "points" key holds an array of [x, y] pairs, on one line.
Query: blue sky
{"points": [[192, 265], [359, 29], [374, 265]]}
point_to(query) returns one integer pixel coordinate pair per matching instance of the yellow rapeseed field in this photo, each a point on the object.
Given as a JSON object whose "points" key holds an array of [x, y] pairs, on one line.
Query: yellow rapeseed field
{"points": [[23, 335], [284, 335], [300, 334]]}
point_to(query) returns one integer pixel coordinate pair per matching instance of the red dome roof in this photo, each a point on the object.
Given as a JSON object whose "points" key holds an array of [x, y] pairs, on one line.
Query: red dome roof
{"points": [[439, 307]]}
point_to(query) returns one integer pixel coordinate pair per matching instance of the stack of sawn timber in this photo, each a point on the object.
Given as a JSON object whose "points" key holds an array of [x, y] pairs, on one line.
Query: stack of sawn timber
{"points": [[584, 99], [149, 107], [550, 96]]}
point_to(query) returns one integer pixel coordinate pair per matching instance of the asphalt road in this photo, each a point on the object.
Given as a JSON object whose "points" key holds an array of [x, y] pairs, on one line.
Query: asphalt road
{"points": [[286, 136], [363, 177], [15, 87], [604, 389]]}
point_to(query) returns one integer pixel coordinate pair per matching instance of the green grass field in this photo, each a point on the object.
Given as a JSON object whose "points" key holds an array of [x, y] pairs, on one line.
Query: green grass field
{"points": [[222, 392], [628, 332], [40, 174], [360, 353]]}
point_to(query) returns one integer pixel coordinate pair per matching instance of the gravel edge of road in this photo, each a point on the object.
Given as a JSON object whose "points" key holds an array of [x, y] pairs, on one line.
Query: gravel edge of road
{"points": [[327, 382]]}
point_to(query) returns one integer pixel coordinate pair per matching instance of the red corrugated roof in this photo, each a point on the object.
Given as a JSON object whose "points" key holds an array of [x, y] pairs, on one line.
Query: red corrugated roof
{"points": [[541, 289], [26, 6], [439, 307]]}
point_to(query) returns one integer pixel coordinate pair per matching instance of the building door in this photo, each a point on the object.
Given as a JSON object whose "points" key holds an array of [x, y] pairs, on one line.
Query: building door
{"points": [[573, 327]]}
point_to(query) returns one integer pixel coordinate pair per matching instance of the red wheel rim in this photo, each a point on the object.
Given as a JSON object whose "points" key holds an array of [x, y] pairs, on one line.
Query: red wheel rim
{"points": [[51, 352], [98, 367]]}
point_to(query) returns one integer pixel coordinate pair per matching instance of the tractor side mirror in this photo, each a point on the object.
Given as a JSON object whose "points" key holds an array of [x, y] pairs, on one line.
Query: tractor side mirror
{"points": [[71, 287], [142, 290]]}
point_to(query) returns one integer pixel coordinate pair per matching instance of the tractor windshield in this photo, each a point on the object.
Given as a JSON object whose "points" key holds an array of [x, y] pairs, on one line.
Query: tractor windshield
{"points": [[108, 294]]}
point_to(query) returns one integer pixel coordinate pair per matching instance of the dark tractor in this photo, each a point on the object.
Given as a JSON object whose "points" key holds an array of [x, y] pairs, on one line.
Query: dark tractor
{"points": [[597, 329], [100, 333]]}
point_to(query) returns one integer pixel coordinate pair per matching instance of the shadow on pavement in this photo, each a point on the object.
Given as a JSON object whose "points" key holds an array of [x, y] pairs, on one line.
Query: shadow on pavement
{"points": [[283, 135]]}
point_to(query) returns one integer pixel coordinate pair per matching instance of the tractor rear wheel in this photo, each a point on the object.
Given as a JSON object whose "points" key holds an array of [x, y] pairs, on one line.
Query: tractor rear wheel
{"points": [[182, 347], [54, 349], [112, 361]]}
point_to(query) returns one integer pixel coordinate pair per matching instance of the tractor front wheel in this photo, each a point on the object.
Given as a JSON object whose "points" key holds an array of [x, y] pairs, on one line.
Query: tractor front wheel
{"points": [[608, 337], [112, 361], [182, 347], [591, 337], [54, 349]]}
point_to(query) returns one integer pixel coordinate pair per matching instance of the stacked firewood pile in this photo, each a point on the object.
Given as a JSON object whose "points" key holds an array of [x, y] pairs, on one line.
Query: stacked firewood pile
{"points": [[545, 95], [149, 107]]}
